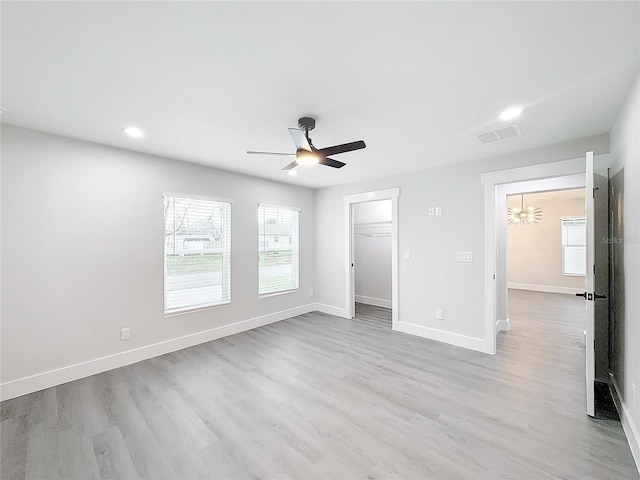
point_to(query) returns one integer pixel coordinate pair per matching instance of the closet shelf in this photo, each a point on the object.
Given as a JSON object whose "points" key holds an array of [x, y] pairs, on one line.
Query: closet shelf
{"points": [[386, 223], [373, 229]]}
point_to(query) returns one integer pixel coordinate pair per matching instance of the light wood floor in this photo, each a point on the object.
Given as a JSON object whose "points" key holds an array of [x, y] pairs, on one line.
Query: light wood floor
{"points": [[317, 397]]}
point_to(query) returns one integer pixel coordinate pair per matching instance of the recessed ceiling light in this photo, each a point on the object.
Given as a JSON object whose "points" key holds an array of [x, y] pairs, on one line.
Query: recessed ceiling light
{"points": [[510, 113], [133, 132], [293, 173]]}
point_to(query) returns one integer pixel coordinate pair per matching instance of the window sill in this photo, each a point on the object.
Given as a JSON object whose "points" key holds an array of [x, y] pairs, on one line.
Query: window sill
{"points": [[184, 311], [573, 275], [275, 294]]}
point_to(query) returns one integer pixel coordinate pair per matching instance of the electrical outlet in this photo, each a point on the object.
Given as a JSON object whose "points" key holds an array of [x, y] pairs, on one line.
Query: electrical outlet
{"points": [[311, 292], [438, 314], [125, 334]]}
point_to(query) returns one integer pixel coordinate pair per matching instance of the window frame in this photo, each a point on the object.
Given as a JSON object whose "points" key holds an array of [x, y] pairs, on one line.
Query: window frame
{"points": [[226, 255], [564, 246], [294, 244]]}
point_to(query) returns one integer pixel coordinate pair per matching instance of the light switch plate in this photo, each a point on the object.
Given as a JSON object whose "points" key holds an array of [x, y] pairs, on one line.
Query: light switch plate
{"points": [[464, 257], [407, 254]]}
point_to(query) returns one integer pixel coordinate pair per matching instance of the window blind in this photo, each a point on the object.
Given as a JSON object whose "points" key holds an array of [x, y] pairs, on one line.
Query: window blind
{"points": [[574, 250], [197, 253], [278, 246]]}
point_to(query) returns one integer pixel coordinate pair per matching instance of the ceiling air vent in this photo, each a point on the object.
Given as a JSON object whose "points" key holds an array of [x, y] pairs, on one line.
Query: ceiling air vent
{"points": [[500, 134]]}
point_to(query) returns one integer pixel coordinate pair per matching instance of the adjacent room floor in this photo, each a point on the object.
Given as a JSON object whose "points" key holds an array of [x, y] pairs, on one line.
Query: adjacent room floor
{"points": [[318, 396]]}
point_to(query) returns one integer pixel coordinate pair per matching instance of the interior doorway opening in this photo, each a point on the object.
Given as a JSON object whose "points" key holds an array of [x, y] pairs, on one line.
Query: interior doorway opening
{"points": [[547, 253], [372, 255], [368, 219], [559, 175], [545, 268], [515, 190]]}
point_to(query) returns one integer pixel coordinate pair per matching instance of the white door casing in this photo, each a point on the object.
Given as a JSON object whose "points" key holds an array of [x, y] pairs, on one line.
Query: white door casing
{"points": [[491, 181], [348, 201]]}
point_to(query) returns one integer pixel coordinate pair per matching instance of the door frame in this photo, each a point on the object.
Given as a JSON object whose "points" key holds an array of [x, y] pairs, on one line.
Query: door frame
{"points": [[491, 182], [349, 201]]}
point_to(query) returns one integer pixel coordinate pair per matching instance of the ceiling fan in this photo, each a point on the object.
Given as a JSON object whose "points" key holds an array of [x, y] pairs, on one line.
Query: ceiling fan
{"points": [[306, 153]]}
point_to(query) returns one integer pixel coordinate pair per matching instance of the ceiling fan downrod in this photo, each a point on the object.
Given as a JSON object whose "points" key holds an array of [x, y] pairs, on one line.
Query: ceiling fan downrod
{"points": [[306, 124]]}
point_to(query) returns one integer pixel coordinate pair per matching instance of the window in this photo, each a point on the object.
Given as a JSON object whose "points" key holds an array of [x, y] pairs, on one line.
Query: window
{"points": [[197, 253], [574, 249], [279, 269]]}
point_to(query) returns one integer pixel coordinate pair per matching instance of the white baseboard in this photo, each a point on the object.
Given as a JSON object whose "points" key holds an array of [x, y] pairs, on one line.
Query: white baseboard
{"points": [[628, 426], [443, 336], [331, 310], [376, 302], [545, 288], [33, 383], [502, 326]]}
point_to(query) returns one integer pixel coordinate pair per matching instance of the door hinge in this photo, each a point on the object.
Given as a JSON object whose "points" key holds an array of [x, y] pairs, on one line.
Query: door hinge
{"points": [[594, 191], [594, 269]]}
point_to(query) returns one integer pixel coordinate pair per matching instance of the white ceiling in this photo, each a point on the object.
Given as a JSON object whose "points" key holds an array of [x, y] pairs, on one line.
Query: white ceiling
{"points": [[207, 81]]}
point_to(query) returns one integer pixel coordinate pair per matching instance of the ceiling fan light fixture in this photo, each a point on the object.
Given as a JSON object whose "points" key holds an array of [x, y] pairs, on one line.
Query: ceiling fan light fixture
{"points": [[306, 154], [304, 157]]}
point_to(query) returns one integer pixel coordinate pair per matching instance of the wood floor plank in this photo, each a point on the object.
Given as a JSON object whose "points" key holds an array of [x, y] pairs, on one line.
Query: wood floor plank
{"points": [[318, 396], [74, 456], [112, 456], [14, 438]]}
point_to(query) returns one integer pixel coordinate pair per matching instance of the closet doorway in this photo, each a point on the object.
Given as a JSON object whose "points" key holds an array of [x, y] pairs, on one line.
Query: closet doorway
{"points": [[372, 222], [371, 244]]}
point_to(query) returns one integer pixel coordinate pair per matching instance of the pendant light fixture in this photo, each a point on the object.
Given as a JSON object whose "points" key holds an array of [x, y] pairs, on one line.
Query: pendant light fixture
{"points": [[524, 214]]}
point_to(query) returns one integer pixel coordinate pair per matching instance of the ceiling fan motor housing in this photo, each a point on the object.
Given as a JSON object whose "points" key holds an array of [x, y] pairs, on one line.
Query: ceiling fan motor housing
{"points": [[306, 123]]}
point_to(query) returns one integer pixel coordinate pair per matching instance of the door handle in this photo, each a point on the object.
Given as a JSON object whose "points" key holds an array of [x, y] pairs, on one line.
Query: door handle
{"points": [[590, 296]]}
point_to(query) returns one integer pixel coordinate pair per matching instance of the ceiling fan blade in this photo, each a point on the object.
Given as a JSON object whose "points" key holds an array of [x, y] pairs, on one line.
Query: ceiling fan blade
{"points": [[251, 152], [300, 139], [291, 165], [345, 147], [330, 162]]}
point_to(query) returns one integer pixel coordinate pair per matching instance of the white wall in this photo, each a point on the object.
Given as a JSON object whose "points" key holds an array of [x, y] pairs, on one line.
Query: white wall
{"points": [[372, 245], [432, 279], [82, 257], [534, 251], [625, 150]]}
